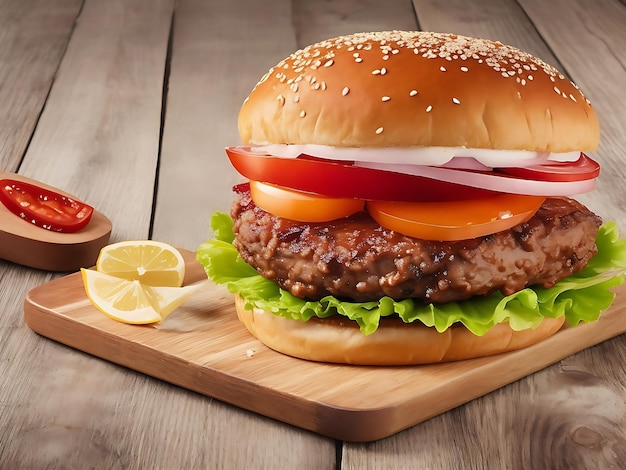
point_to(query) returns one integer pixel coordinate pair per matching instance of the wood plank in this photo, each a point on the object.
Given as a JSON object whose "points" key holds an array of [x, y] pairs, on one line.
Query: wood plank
{"points": [[33, 37], [213, 67], [315, 21], [98, 139], [216, 356], [210, 76], [99, 135]]}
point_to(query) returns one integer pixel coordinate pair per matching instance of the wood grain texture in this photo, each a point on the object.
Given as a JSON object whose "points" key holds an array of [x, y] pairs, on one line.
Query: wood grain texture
{"points": [[213, 68], [216, 356], [98, 139], [33, 37], [98, 136], [315, 21]]}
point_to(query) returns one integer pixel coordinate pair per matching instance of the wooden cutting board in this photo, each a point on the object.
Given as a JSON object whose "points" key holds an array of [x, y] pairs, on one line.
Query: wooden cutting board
{"points": [[203, 347]]}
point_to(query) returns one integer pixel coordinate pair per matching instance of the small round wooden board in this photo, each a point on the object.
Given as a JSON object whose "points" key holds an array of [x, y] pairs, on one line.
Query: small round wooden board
{"points": [[24, 243]]}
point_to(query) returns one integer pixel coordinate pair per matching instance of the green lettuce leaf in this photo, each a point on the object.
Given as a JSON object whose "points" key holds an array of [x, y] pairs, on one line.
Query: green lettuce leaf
{"points": [[580, 297]]}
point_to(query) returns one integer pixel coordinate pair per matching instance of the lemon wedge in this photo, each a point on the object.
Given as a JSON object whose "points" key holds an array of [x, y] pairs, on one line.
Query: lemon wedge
{"points": [[150, 262], [130, 301]]}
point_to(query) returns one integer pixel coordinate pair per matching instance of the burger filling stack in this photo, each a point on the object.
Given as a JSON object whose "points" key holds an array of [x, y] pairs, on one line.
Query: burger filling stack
{"points": [[408, 200]]}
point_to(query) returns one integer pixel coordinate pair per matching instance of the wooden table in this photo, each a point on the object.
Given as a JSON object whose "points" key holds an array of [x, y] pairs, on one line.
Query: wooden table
{"points": [[129, 104]]}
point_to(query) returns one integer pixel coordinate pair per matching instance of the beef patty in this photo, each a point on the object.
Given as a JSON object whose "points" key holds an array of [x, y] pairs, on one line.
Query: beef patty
{"points": [[355, 258]]}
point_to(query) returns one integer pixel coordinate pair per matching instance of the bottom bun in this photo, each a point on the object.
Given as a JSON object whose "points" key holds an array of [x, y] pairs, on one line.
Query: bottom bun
{"points": [[394, 343]]}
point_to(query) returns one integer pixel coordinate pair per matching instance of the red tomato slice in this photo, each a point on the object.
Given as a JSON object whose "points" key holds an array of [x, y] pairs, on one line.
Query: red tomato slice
{"points": [[582, 169], [45, 208], [300, 206], [418, 183], [344, 180], [459, 220]]}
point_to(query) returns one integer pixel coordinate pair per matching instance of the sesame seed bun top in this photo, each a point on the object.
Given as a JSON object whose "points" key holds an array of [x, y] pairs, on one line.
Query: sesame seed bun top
{"points": [[399, 89]]}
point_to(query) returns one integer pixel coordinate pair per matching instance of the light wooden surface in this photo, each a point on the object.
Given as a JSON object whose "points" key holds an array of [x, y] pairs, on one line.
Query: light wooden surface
{"points": [[128, 105]]}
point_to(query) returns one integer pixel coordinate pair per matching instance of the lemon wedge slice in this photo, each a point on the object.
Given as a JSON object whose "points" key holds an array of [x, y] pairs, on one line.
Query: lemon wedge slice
{"points": [[130, 301], [151, 262]]}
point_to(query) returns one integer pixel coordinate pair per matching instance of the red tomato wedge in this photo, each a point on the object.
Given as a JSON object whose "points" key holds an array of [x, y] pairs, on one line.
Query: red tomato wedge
{"points": [[300, 206], [44, 208], [460, 220], [416, 183], [582, 169], [344, 180]]}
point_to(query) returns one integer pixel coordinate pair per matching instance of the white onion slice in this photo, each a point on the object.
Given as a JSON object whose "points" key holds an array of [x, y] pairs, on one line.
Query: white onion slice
{"points": [[493, 182], [424, 155]]}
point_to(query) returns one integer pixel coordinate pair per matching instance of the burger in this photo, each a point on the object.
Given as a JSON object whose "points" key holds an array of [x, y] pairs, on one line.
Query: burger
{"points": [[407, 200]]}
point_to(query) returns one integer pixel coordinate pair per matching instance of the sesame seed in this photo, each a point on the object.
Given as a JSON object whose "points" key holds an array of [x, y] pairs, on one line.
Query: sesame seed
{"points": [[323, 85], [281, 99], [379, 130], [302, 113], [294, 87], [456, 101], [413, 93], [296, 98], [572, 98], [385, 98], [429, 108], [503, 60], [345, 91]]}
